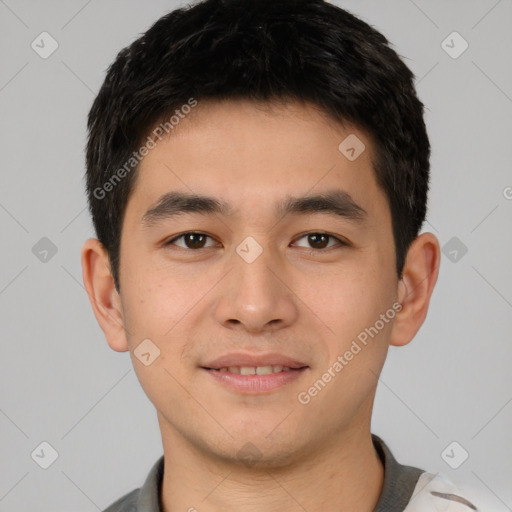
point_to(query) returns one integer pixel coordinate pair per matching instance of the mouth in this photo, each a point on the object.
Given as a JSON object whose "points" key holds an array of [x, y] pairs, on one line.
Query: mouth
{"points": [[255, 370], [267, 363], [255, 375]]}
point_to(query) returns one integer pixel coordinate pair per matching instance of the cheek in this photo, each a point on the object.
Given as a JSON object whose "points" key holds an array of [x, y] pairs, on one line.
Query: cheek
{"points": [[346, 304], [153, 310], [156, 296], [156, 312]]}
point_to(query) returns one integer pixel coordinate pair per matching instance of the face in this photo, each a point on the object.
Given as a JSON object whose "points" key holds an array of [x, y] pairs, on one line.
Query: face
{"points": [[265, 281]]}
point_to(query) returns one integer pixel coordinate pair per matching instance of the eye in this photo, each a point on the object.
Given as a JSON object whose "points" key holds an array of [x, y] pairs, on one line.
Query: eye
{"points": [[191, 239], [320, 240], [195, 240]]}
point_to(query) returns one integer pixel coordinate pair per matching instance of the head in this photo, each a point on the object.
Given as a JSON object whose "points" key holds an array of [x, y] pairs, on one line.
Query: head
{"points": [[286, 130]]}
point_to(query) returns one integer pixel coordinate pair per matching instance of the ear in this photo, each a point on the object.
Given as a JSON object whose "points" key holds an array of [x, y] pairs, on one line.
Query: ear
{"points": [[419, 277], [105, 301]]}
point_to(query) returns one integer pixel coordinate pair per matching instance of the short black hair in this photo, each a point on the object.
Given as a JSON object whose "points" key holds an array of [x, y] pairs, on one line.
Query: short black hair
{"points": [[261, 50]]}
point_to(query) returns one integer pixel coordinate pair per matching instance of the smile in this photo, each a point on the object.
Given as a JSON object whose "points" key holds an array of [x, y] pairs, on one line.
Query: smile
{"points": [[255, 379], [254, 370]]}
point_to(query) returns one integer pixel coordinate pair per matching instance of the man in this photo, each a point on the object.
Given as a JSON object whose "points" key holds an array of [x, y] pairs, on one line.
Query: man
{"points": [[257, 175]]}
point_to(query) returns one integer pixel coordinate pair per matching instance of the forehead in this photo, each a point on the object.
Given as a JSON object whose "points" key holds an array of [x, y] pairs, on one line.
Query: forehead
{"points": [[252, 155]]}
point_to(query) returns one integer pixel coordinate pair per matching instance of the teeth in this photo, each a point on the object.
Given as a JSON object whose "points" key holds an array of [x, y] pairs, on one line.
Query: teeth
{"points": [[264, 370], [255, 370]]}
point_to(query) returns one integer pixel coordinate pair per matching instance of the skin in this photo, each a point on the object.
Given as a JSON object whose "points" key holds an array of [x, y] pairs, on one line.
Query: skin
{"points": [[198, 304]]}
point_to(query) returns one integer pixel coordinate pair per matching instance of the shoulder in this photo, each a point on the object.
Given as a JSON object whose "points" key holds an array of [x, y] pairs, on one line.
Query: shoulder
{"points": [[145, 498], [436, 493], [126, 503]]}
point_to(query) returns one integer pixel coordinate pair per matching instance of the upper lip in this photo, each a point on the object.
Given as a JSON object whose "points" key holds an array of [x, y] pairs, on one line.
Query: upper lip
{"points": [[252, 360]]}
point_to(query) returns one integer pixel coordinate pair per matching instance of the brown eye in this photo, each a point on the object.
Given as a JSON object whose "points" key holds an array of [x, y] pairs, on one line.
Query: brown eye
{"points": [[320, 241], [191, 240]]}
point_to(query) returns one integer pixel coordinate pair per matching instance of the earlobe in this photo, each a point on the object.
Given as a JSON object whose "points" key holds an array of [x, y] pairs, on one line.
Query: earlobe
{"points": [[415, 289], [103, 296]]}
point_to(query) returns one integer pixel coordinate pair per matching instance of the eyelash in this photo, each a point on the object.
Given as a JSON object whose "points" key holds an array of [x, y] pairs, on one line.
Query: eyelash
{"points": [[311, 250]]}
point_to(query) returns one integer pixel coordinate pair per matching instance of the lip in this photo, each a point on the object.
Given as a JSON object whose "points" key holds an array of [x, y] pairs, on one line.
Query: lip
{"points": [[245, 359], [255, 384]]}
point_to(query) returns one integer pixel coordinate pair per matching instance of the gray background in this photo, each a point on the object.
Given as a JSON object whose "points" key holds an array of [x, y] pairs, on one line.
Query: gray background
{"points": [[59, 380]]}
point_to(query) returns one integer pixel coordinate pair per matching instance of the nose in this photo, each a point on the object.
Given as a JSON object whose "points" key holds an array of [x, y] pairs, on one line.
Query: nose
{"points": [[255, 296]]}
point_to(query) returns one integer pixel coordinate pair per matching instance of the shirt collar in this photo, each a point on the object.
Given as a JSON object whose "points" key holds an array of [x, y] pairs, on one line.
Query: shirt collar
{"points": [[399, 480]]}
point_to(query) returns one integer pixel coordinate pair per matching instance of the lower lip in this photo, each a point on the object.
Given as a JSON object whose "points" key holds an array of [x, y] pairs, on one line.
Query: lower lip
{"points": [[255, 384]]}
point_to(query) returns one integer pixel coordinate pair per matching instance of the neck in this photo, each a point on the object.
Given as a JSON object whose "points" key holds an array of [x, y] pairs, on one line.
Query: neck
{"points": [[343, 475]]}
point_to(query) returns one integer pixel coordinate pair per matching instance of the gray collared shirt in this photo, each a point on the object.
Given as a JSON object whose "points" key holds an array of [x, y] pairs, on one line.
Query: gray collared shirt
{"points": [[399, 484]]}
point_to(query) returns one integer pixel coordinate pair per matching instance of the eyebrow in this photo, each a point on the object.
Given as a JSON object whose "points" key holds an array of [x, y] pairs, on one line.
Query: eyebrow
{"points": [[335, 202]]}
